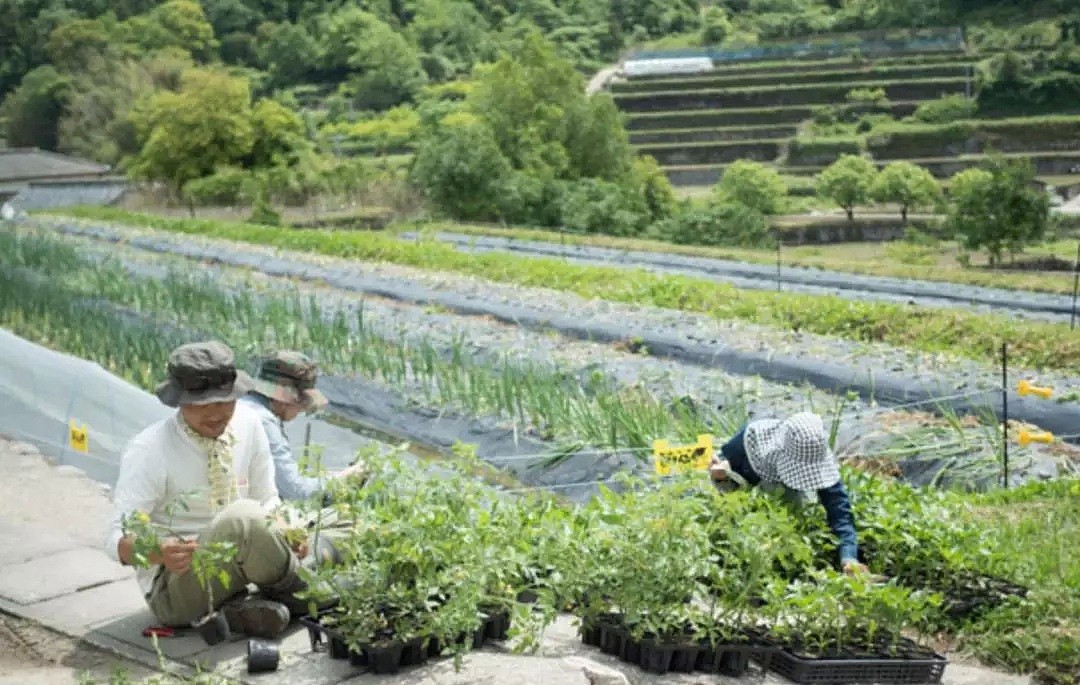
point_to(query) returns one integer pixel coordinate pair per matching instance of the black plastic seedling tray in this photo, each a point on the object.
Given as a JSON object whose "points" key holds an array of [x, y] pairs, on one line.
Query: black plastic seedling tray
{"points": [[899, 671]]}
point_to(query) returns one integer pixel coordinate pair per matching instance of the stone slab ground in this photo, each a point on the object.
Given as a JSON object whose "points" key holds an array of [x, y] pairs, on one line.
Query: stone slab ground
{"points": [[85, 613]]}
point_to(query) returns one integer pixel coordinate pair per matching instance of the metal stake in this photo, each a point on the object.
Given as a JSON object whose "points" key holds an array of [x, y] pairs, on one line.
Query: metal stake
{"points": [[1005, 410], [778, 288], [1076, 285]]}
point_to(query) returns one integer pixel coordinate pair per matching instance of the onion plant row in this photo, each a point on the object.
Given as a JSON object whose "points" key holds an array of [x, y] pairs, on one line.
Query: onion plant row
{"points": [[976, 336], [57, 308], [102, 311]]}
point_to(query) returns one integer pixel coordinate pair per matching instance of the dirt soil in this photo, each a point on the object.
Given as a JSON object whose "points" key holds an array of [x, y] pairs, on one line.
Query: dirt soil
{"points": [[33, 655]]}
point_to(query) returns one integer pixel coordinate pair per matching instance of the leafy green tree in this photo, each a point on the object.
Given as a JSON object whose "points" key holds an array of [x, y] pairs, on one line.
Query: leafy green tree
{"points": [[716, 223], [381, 67], [594, 206], [847, 182], [649, 181], [715, 26], [454, 31], [753, 184], [96, 122], [460, 168], [174, 24], [279, 135], [535, 104], [188, 134], [288, 52], [908, 185], [33, 111], [71, 45], [997, 208]]}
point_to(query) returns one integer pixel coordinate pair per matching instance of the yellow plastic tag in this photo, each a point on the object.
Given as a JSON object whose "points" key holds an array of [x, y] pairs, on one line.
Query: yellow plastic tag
{"points": [[1027, 437], [79, 437], [1027, 388], [681, 458]]}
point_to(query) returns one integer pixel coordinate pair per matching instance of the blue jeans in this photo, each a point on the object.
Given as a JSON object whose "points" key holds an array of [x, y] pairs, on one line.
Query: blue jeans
{"points": [[834, 498]]}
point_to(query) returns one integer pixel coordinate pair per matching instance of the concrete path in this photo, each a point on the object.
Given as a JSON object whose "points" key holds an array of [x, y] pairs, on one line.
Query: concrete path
{"points": [[54, 576]]}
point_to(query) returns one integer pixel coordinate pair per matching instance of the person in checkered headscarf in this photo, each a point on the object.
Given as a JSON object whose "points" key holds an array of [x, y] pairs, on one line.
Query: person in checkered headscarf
{"points": [[795, 454]]}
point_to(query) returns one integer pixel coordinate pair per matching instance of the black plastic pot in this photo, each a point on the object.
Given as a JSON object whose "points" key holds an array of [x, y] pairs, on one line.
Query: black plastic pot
{"points": [[213, 628], [497, 626], [527, 597], [590, 634], [338, 649], [706, 660], [413, 652], [631, 650], [262, 656], [358, 659], [656, 658], [684, 659], [434, 647], [384, 659], [611, 639], [478, 636], [734, 662]]}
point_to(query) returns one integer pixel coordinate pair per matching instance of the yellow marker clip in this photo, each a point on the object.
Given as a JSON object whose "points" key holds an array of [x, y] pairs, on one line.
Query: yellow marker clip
{"points": [[682, 458], [1027, 437], [79, 437], [1026, 388]]}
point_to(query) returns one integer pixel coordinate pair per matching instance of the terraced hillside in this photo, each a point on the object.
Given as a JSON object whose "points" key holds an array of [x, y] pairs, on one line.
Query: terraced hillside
{"points": [[694, 125]]}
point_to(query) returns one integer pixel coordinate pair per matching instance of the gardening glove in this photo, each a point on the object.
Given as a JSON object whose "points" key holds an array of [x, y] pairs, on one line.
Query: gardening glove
{"points": [[719, 469]]}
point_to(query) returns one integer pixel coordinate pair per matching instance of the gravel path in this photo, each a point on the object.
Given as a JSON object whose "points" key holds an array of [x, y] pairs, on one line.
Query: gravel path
{"points": [[1017, 303], [484, 338]]}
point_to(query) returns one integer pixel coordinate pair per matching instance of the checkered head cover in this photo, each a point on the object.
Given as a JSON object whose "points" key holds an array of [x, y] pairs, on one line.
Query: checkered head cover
{"points": [[794, 452]]}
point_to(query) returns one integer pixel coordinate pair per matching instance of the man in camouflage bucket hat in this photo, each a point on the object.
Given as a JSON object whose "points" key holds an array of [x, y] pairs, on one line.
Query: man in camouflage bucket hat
{"points": [[793, 454], [200, 476], [283, 389]]}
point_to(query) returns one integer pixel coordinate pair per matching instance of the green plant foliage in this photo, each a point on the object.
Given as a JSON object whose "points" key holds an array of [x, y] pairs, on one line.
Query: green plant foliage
{"points": [[716, 223], [847, 181], [32, 113], [907, 185], [945, 110], [753, 184], [969, 335], [996, 208]]}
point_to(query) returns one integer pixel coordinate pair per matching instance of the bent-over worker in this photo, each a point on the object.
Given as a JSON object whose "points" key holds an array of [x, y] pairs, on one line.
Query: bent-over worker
{"points": [[214, 457], [795, 454]]}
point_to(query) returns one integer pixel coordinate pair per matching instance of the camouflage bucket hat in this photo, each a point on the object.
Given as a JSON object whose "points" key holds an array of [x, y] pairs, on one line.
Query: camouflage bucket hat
{"points": [[289, 377], [203, 373]]}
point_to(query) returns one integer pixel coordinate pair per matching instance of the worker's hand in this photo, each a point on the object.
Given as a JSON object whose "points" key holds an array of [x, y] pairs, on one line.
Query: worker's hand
{"points": [[718, 468], [854, 568], [300, 549], [357, 472], [176, 555]]}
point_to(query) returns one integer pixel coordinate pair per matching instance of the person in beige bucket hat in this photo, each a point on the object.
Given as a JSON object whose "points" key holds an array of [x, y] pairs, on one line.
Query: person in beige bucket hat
{"points": [[793, 453], [283, 388]]}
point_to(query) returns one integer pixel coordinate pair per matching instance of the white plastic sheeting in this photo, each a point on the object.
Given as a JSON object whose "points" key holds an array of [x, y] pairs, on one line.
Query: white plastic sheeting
{"points": [[43, 394], [659, 66]]}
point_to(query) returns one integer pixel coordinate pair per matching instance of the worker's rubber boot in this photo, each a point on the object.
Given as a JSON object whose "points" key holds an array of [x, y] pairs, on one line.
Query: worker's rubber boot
{"points": [[256, 617], [285, 591]]}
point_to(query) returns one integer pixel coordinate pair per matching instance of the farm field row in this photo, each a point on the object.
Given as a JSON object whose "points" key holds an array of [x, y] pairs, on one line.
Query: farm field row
{"points": [[252, 310], [897, 260], [611, 399], [976, 337], [792, 279]]}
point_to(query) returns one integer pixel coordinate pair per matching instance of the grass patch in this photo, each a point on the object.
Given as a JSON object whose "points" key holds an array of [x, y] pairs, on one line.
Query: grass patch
{"points": [[1038, 345], [1038, 526]]}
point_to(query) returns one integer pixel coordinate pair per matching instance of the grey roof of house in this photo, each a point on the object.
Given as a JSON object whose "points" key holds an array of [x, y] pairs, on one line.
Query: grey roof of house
{"points": [[26, 164]]}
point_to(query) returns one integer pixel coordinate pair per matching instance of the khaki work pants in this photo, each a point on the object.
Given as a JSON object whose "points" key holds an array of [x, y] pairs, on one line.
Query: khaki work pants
{"points": [[263, 558]]}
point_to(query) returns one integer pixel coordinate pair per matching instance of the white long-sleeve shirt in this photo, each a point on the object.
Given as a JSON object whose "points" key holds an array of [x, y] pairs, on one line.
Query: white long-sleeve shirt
{"points": [[162, 465]]}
